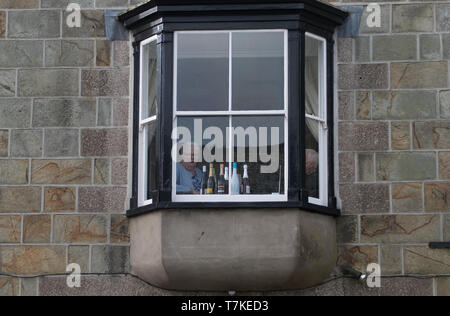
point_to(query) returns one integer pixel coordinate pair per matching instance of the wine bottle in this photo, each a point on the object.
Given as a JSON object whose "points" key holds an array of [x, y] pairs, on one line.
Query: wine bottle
{"points": [[204, 181], [245, 181], [210, 185], [221, 182], [227, 180], [215, 181], [235, 185]]}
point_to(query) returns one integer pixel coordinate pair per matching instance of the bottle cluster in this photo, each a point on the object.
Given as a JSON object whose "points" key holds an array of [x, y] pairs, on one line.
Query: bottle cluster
{"points": [[223, 183]]}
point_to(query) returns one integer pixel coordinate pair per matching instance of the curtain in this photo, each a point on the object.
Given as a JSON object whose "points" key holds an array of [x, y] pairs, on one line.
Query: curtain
{"points": [[312, 93]]}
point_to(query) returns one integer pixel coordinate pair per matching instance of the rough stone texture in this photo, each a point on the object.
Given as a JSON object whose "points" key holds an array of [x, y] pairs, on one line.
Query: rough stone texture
{"points": [[79, 255], [446, 46], [363, 105], [37, 229], [62, 4], [121, 112], [110, 259], [48, 82], [14, 171], [436, 196], [422, 260], [430, 47], [80, 229], [419, 75], [358, 256], [104, 112], [362, 49], [363, 76], [446, 220], [101, 171], [15, 113], [404, 105], [61, 143], [9, 286], [406, 166], [400, 135], [32, 260], [347, 105], [64, 113], [120, 233], [407, 197], [58, 199], [92, 25], [398, 47], [101, 199], [21, 53], [7, 83], [69, 53], [19, 4], [443, 17], [26, 143], [101, 286], [20, 199], [363, 136], [431, 135], [444, 97], [347, 229], [391, 260], [119, 171], [443, 287], [366, 167], [34, 24], [364, 198], [10, 229], [4, 143], [61, 171], [2, 23], [345, 50], [105, 83], [103, 53], [412, 18], [444, 165], [104, 142], [400, 229], [29, 287], [110, 3], [121, 53]]}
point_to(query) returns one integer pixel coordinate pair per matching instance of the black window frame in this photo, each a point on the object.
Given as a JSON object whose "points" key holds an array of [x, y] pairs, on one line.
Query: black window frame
{"points": [[320, 19]]}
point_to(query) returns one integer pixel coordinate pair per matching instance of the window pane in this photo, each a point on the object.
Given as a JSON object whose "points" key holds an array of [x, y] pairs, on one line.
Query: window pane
{"points": [[312, 157], [203, 72], [201, 141], [258, 71], [152, 162], [259, 144], [314, 79], [150, 77]]}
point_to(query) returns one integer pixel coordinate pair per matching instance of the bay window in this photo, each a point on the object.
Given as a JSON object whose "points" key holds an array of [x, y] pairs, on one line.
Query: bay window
{"points": [[254, 95]]}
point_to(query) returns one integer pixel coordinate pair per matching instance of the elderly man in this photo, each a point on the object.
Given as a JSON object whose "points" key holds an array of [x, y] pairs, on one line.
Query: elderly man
{"points": [[189, 177]]}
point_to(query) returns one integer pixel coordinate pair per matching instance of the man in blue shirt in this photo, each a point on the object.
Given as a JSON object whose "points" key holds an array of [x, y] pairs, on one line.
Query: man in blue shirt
{"points": [[189, 177]]}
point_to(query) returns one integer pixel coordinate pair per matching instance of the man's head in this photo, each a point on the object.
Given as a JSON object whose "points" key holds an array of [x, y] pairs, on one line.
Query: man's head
{"points": [[190, 153]]}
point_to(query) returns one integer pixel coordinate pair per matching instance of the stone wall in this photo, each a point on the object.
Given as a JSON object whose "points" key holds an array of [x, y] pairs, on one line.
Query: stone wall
{"points": [[64, 148], [64, 100], [394, 145]]}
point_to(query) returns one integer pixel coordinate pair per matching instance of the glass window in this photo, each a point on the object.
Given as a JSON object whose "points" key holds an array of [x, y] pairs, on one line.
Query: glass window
{"points": [[258, 71], [148, 105], [234, 128], [316, 145], [202, 71]]}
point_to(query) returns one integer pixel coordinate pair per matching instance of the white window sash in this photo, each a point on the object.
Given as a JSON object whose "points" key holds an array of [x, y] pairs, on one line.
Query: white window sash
{"points": [[323, 128], [230, 113]]}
